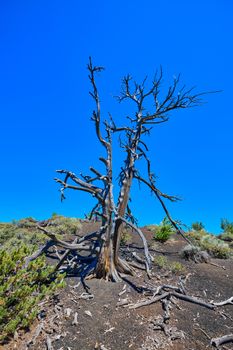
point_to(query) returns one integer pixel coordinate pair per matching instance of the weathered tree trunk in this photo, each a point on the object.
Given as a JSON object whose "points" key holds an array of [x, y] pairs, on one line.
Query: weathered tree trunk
{"points": [[115, 215], [125, 193], [106, 267], [123, 201]]}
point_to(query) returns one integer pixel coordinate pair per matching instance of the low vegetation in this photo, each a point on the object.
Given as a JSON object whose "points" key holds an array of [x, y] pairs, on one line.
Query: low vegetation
{"points": [[174, 266], [197, 226], [216, 246], [25, 230], [163, 231], [220, 246], [227, 234], [126, 238], [64, 225], [22, 231], [21, 289]]}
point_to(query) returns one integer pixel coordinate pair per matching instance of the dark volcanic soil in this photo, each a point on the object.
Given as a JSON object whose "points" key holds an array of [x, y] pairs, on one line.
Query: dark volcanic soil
{"points": [[102, 323]]}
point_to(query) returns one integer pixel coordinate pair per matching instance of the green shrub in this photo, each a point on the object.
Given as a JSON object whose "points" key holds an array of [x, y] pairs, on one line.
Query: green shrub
{"points": [[61, 225], [20, 232], [25, 231], [176, 267], [7, 231], [22, 289], [163, 234], [226, 236], [227, 226], [161, 261], [25, 223], [164, 231], [215, 247], [190, 252], [196, 236], [197, 226]]}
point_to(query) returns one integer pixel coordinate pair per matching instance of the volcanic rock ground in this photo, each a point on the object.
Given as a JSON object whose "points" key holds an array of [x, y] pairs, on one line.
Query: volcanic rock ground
{"points": [[74, 320]]}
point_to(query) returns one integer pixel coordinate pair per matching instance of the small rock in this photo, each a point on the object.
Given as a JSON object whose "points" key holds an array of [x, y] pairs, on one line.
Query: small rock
{"points": [[122, 302], [68, 312], [88, 313]]}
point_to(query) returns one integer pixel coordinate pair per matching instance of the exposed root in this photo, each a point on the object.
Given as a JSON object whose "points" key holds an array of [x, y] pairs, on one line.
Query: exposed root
{"points": [[166, 307], [136, 265], [193, 300], [123, 267]]}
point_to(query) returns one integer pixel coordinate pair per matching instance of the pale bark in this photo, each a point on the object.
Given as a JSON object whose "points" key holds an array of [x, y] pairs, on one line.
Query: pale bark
{"points": [[115, 215]]}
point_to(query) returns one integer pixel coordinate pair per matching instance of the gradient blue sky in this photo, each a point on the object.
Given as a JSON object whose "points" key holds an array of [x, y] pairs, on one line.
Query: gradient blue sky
{"points": [[45, 108]]}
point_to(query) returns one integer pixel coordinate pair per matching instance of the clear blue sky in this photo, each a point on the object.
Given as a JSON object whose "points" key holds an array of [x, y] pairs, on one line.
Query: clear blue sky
{"points": [[45, 108]]}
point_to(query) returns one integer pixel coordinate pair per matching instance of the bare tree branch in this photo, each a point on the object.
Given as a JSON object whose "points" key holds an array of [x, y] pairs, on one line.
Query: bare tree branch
{"points": [[64, 244], [144, 241], [115, 215]]}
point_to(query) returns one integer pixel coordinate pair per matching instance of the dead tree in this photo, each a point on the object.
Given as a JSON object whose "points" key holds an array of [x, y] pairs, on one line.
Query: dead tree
{"points": [[104, 260]]}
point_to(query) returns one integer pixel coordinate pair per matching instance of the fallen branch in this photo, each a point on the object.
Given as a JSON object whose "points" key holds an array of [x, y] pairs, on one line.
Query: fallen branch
{"points": [[55, 241], [166, 307], [225, 302], [203, 331], [75, 321], [37, 332], [64, 256], [213, 264], [150, 301], [193, 300], [222, 340], [49, 343], [144, 241], [175, 292], [39, 252]]}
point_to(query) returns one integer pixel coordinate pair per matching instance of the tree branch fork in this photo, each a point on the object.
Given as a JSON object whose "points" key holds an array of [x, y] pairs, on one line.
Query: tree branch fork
{"points": [[115, 214]]}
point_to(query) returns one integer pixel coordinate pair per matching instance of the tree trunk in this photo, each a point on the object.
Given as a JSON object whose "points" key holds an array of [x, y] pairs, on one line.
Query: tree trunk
{"points": [[109, 264], [106, 266], [123, 201]]}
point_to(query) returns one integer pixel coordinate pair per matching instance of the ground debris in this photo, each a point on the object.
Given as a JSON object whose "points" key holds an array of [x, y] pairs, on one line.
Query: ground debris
{"points": [[88, 313]]}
